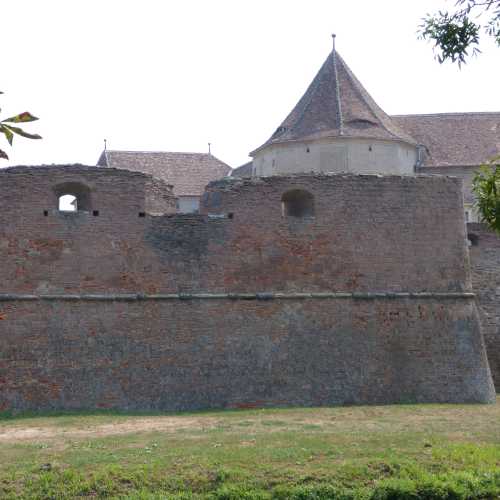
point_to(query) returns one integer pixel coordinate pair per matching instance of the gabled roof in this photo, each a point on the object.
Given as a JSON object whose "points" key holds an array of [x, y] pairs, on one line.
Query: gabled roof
{"points": [[188, 173], [244, 170], [336, 105], [454, 139]]}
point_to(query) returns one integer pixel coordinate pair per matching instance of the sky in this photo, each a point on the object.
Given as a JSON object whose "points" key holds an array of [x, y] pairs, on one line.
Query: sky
{"points": [[168, 75]]}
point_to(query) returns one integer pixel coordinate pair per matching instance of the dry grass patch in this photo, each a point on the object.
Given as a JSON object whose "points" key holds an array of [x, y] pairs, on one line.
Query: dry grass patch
{"points": [[257, 449]]}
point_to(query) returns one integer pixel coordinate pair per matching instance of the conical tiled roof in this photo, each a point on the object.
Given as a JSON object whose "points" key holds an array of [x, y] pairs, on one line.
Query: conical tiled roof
{"points": [[336, 105]]}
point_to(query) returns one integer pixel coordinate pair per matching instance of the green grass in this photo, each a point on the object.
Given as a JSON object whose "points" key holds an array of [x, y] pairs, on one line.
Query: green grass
{"points": [[391, 452]]}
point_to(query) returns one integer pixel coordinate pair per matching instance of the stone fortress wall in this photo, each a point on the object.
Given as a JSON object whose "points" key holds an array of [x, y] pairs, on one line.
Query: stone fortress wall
{"points": [[296, 290], [485, 263]]}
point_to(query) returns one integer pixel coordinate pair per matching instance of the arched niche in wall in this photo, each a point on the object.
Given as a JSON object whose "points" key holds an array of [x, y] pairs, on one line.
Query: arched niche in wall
{"points": [[297, 203], [73, 197]]}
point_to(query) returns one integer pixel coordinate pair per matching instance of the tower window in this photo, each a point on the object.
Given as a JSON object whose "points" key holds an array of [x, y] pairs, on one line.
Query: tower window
{"points": [[297, 203]]}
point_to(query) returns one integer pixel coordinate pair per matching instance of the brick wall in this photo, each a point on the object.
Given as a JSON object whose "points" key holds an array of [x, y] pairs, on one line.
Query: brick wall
{"points": [[369, 233], [43, 250], [485, 261], [192, 354], [184, 311]]}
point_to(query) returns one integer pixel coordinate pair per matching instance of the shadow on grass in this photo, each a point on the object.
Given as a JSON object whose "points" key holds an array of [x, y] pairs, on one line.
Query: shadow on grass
{"points": [[22, 415], [28, 414]]}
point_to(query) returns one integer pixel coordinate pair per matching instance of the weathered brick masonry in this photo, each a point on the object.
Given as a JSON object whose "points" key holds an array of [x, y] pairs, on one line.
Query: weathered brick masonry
{"points": [[218, 353], [367, 301], [485, 260]]}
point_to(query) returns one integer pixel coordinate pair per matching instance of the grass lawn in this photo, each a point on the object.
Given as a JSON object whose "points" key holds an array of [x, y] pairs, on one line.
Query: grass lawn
{"points": [[383, 452]]}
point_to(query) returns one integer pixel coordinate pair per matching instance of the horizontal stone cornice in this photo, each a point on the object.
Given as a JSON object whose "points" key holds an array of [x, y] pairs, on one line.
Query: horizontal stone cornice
{"points": [[9, 297]]}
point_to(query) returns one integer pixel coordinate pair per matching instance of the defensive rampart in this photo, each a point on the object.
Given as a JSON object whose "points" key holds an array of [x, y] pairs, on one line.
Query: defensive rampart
{"points": [[306, 290], [485, 259]]}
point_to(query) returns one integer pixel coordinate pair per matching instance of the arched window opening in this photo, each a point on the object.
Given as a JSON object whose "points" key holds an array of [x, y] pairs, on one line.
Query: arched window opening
{"points": [[73, 197], [68, 203], [297, 203]]}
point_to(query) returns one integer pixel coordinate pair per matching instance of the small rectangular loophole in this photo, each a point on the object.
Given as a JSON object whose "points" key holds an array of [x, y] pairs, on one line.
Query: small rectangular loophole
{"points": [[230, 215], [95, 213], [142, 214], [46, 213]]}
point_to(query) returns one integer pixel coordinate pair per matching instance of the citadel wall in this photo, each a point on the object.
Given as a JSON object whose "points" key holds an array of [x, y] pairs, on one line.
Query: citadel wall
{"points": [[466, 173], [44, 250], [484, 254], [365, 299]]}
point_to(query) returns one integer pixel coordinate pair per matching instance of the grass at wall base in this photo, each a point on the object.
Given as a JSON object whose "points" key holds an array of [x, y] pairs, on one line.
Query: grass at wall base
{"points": [[384, 452]]}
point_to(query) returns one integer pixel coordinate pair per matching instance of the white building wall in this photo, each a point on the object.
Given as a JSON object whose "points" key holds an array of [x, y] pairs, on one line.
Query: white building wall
{"points": [[336, 155]]}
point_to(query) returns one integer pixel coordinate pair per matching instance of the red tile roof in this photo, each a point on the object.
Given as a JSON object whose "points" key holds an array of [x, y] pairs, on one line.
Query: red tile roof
{"points": [[454, 139], [188, 173]]}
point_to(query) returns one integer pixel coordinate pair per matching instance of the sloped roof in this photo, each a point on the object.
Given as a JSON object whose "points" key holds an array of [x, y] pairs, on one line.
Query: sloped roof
{"points": [[454, 139], [244, 170], [188, 173], [335, 105]]}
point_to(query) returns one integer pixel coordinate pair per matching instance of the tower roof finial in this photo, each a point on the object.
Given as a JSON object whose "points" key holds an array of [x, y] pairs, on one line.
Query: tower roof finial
{"points": [[333, 41]]}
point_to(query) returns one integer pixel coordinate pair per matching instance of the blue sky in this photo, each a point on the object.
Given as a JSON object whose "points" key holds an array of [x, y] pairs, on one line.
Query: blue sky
{"points": [[175, 75]]}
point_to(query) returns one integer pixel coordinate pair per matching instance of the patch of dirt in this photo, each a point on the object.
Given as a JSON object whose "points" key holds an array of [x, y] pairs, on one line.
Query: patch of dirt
{"points": [[367, 419], [150, 424]]}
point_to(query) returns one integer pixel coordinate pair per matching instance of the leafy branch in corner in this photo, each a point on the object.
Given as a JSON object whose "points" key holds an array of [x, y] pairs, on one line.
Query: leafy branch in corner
{"points": [[10, 130], [454, 33], [486, 187]]}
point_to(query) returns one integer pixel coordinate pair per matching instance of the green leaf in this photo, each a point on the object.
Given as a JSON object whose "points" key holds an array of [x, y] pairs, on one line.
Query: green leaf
{"points": [[21, 118], [3, 155], [8, 133], [22, 133], [486, 187]]}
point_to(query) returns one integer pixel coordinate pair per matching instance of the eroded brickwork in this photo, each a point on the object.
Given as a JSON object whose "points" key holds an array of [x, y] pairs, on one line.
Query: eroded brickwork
{"points": [[71, 337], [44, 250], [485, 263], [369, 233], [193, 354]]}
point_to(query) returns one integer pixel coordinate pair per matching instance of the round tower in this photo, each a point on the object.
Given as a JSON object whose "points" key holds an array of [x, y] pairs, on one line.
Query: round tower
{"points": [[336, 127]]}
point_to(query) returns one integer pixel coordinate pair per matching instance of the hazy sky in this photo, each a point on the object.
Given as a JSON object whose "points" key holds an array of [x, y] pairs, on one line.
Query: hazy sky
{"points": [[175, 75]]}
